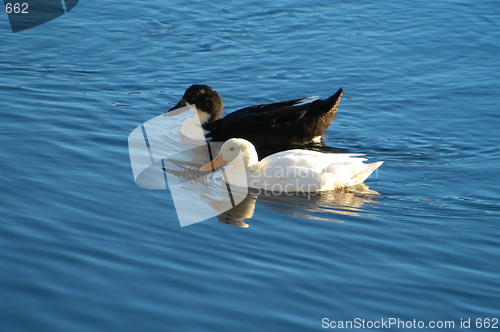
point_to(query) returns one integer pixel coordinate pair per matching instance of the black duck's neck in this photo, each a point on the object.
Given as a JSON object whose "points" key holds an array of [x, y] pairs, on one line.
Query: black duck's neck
{"points": [[205, 117]]}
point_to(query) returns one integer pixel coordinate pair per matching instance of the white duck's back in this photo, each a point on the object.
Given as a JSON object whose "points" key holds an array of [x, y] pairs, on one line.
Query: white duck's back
{"points": [[308, 171]]}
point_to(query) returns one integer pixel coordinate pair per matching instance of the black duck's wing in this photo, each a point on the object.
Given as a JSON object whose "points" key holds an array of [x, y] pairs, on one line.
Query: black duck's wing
{"points": [[259, 122], [268, 107], [278, 124], [268, 113]]}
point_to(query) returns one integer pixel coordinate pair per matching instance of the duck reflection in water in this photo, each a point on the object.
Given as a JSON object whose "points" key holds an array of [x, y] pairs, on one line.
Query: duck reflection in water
{"points": [[314, 206]]}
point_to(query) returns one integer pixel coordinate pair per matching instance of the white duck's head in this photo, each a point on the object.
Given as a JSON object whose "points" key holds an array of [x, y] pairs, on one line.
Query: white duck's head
{"points": [[230, 150]]}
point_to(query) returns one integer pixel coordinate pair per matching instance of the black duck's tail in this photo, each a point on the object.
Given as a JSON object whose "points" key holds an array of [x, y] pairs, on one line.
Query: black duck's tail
{"points": [[326, 106]]}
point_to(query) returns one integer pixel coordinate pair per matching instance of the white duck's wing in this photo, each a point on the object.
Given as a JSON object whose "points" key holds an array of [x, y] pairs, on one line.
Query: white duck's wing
{"points": [[292, 161], [288, 171], [362, 175], [349, 172], [309, 171], [295, 171]]}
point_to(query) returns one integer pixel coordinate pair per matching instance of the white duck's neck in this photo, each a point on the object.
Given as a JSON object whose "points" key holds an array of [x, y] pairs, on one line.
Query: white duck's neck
{"points": [[235, 174], [250, 157]]}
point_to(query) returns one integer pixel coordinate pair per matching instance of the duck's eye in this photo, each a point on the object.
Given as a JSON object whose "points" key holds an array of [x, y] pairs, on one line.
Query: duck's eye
{"points": [[232, 149]]}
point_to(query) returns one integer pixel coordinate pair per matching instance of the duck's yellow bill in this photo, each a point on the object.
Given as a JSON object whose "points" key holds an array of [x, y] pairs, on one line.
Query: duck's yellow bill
{"points": [[217, 162]]}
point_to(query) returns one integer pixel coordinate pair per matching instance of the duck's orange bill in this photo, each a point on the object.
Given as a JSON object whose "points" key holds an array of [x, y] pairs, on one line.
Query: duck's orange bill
{"points": [[217, 162]]}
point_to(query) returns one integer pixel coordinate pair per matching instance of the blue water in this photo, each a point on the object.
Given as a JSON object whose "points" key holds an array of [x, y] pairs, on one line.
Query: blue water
{"points": [[83, 248]]}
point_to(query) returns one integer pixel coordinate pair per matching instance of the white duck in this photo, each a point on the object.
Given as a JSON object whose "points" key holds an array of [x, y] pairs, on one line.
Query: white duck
{"points": [[291, 171]]}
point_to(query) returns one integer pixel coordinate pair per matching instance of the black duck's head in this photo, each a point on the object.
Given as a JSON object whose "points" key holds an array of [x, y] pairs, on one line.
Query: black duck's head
{"points": [[206, 99]]}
